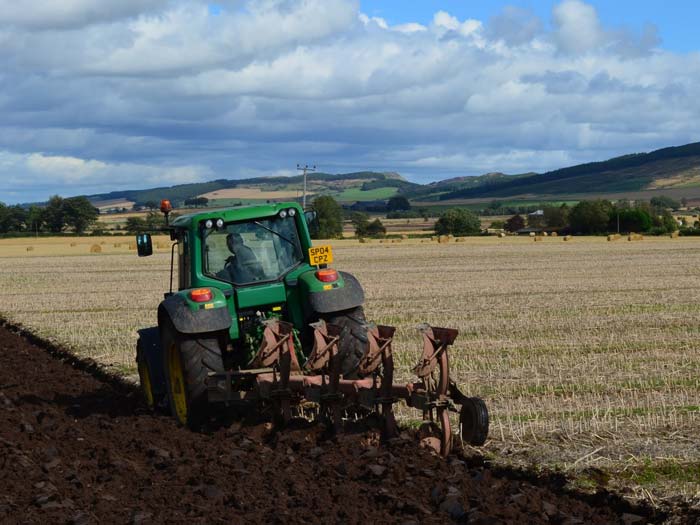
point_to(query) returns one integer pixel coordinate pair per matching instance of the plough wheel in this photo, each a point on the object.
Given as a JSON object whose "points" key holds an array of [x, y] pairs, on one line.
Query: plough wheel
{"points": [[474, 421]]}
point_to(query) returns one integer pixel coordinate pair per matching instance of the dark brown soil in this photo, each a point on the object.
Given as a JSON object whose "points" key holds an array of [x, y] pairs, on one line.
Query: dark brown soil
{"points": [[77, 446]]}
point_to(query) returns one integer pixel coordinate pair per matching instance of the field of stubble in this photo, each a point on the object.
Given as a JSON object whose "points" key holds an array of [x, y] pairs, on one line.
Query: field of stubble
{"points": [[585, 351]]}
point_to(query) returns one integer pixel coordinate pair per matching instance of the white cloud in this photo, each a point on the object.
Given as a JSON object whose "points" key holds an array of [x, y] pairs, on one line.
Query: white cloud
{"points": [[150, 93], [54, 14]]}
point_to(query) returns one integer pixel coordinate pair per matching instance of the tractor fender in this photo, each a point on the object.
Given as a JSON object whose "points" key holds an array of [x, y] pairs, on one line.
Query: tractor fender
{"points": [[189, 321], [351, 295]]}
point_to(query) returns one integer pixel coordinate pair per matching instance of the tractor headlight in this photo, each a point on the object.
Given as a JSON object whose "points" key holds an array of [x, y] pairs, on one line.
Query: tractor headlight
{"points": [[208, 225], [292, 212], [283, 214], [219, 223]]}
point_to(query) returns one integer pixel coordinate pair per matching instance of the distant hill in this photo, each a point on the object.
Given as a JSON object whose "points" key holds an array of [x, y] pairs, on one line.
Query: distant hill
{"points": [[346, 187], [673, 171], [675, 168]]}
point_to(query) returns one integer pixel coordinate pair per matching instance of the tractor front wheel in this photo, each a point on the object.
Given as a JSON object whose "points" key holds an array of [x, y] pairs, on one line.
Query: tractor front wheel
{"points": [[188, 361]]}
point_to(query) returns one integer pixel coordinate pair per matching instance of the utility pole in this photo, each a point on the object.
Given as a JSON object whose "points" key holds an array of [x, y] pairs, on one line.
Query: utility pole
{"points": [[305, 168]]}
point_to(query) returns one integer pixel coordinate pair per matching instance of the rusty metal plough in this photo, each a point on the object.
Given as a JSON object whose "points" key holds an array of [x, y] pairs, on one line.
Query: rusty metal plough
{"points": [[276, 377]]}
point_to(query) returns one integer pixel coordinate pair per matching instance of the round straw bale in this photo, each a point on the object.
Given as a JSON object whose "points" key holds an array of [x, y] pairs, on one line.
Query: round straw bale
{"points": [[567, 237], [95, 248], [30, 248]]}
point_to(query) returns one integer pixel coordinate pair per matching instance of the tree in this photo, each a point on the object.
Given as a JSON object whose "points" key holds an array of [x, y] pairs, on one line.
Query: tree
{"points": [[398, 203], [556, 216], [54, 214], [662, 202], [591, 216], [457, 221], [35, 218], [151, 205], [515, 223], [330, 217], [360, 221], [135, 224], [79, 213], [633, 220], [424, 213], [376, 229]]}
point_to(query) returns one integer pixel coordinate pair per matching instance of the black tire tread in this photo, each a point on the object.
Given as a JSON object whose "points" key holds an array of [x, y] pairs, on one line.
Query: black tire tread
{"points": [[199, 354], [353, 339]]}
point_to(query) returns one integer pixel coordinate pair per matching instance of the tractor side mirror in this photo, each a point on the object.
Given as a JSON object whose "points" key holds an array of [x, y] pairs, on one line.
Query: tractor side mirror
{"points": [[144, 244], [312, 222]]}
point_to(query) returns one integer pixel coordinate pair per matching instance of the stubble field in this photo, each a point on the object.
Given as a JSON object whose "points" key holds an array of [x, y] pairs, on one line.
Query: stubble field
{"points": [[585, 351]]}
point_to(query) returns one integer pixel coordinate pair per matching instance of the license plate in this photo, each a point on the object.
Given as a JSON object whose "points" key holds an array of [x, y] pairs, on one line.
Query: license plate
{"points": [[320, 255]]}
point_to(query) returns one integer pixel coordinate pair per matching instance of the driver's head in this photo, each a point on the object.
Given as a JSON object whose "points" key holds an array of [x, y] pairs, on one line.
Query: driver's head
{"points": [[234, 240]]}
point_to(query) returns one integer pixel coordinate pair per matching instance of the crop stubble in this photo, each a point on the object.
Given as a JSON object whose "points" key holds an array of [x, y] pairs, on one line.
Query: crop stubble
{"points": [[585, 351]]}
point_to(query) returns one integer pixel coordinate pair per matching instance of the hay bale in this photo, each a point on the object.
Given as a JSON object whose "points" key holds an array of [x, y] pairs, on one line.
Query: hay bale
{"points": [[461, 239], [554, 234], [132, 245], [635, 237], [73, 244], [567, 237], [30, 248], [395, 240], [434, 238], [95, 248], [443, 239], [674, 235], [544, 234], [538, 238], [614, 237], [501, 235], [532, 234], [117, 245], [103, 242], [404, 236], [361, 240]]}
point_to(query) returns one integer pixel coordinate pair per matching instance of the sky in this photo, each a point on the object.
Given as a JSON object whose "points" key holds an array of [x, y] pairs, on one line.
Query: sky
{"points": [[101, 96]]}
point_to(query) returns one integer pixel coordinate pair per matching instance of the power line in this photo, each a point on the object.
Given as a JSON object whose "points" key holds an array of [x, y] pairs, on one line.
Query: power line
{"points": [[305, 169]]}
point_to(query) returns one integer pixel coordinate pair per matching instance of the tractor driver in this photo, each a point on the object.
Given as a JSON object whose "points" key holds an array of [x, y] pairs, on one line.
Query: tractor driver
{"points": [[243, 266]]}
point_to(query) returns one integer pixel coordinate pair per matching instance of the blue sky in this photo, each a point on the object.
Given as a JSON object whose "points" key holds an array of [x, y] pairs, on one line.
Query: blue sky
{"points": [[677, 20], [101, 96]]}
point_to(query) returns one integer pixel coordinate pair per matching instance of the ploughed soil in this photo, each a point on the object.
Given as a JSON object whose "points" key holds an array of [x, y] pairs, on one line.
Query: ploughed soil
{"points": [[78, 446]]}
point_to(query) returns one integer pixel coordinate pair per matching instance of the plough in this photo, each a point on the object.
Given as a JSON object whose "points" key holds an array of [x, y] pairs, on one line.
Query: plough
{"points": [[276, 377]]}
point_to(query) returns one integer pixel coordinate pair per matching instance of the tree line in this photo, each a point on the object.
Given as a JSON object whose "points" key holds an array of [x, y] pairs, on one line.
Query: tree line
{"points": [[58, 215], [599, 217]]}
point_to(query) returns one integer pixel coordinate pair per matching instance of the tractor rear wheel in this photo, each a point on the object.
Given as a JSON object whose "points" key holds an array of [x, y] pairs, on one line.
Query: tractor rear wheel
{"points": [[353, 339], [188, 361]]}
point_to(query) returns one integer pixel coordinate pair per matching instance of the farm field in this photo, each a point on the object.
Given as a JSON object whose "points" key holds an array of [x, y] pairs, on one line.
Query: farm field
{"points": [[585, 351]]}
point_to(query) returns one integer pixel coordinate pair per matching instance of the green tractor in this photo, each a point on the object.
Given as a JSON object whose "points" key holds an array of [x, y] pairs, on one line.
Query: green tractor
{"points": [[259, 319]]}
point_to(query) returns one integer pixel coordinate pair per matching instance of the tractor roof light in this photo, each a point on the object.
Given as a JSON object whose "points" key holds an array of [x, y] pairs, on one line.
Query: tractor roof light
{"points": [[219, 223], [209, 224], [327, 275], [201, 295], [283, 214], [165, 206], [292, 212]]}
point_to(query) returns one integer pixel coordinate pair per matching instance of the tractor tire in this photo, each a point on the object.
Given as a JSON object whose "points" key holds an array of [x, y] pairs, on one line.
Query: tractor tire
{"points": [[146, 381], [188, 359], [353, 339]]}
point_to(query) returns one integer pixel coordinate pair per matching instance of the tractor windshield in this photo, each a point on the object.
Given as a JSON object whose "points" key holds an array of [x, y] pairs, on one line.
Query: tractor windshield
{"points": [[253, 251]]}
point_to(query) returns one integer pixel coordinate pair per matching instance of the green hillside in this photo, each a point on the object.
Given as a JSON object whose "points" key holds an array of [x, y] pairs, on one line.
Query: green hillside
{"points": [[676, 167], [674, 170]]}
